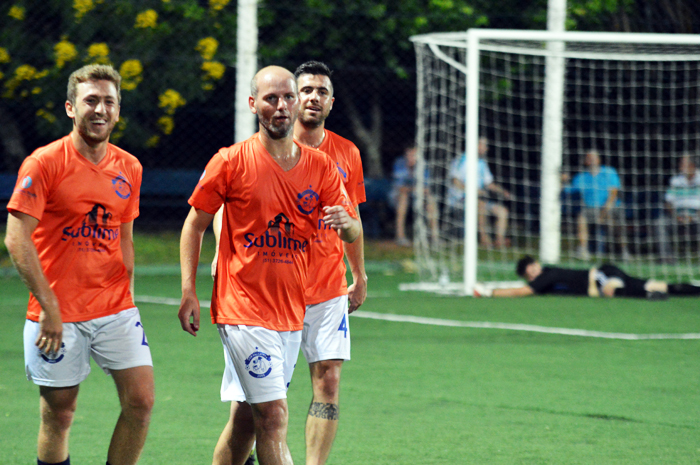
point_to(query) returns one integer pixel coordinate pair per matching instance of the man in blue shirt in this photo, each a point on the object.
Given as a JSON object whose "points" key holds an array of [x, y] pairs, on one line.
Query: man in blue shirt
{"points": [[403, 180], [487, 187], [599, 187]]}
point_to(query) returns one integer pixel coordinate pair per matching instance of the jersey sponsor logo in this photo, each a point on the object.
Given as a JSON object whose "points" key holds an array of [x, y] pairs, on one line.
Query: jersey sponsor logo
{"points": [[122, 187], [26, 182], [277, 236], [307, 201], [343, 173], [258, 364], [54, 357], [92, 231]]}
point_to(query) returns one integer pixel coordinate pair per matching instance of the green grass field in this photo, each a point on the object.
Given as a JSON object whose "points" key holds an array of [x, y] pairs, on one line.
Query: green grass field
{"points": [[414, 393]]}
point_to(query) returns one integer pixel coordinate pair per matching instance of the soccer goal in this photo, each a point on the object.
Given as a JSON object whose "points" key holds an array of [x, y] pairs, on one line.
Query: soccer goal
{"points": [[506, 121]]}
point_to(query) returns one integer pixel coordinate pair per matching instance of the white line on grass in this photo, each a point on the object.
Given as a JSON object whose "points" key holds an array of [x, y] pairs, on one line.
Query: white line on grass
{"points": [[470, 324]]}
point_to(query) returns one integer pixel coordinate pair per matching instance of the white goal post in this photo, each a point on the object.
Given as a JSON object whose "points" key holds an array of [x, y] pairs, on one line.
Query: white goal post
{"points": [[535, 104]]}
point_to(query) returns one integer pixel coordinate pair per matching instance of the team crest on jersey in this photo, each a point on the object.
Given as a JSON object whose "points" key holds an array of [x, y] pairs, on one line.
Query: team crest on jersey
{"points": [[258, 364], [122, 187], [26, 182], [307, 201], [54, 357]]}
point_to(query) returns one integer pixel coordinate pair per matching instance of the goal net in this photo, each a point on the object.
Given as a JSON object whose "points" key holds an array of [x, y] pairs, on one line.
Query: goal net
{"points": [[575, 148]]}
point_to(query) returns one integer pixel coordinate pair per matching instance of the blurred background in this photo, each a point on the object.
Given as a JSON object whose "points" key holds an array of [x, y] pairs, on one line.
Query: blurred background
{"points": [[178, 62]]}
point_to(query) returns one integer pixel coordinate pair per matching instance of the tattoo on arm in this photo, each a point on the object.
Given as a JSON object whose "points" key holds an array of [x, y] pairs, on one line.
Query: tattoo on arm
{"points": [[324, 411]]}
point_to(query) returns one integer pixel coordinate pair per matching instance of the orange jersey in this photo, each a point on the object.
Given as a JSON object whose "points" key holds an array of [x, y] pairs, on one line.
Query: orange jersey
{"points": [[80, 207], [326, 278], [270, 219]]}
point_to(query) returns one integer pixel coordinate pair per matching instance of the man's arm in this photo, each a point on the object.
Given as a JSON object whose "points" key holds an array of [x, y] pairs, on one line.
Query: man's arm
{"points": [[337, 218], [609, 203], [514, 292], [25, 257], [126, 234], [355, 253], [216, 227], [190, 245]]}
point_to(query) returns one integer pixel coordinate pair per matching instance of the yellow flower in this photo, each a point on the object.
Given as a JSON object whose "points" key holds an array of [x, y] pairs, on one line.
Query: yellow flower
{"points": [[48, 116], [207, 47], [171, 100], [82, 7], [131, 71], [218, 5], [119, 129], [166, 124], [65, 52], [146, 19], [4, 55], [213, 69], [153, 141], [36, 90], [17, 12], [98, 53], [1, 75], [25, 73]]}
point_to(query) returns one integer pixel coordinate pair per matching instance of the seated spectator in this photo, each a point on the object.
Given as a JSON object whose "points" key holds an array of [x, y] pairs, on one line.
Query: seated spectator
{"points": [[491, 197], [599, 187], [403, 180], [682, 208]]}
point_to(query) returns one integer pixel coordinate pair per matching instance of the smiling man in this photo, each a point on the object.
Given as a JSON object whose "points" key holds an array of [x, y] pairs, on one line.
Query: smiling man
{"points": [[70, 236]]}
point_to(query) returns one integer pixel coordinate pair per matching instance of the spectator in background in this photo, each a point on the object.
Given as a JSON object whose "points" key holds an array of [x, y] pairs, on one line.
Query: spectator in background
{"points": [[599, 187], [682, 212], [491, 196], [403, 180]]}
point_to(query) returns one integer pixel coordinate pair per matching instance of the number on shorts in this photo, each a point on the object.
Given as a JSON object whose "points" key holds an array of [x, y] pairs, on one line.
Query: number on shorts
{"points": [[344, 326], [144, 342]]}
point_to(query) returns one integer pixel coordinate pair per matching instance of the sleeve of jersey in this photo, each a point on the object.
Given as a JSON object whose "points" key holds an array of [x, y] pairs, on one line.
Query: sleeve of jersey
{"points": [[356, 186], [30, 193], [210, 192], [334, 192], [132, 211]]}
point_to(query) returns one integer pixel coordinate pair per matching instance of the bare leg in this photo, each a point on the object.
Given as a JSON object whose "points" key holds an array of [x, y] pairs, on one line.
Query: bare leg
{"points": [[322, 420], [57, 407], [484, 238], [237, 438], [271, 420], [136, 396], [401, 211], [501, 213], [583, 232]]}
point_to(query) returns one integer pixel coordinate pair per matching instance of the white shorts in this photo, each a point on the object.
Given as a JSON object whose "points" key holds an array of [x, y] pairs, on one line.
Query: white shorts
{"points": [[116, 342], [259, 363], [326, 334]]}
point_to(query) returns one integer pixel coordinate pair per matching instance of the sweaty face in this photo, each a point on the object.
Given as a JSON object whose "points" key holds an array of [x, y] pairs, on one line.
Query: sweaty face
{"points": [[316, 99], [96, 110], [276, 105]]}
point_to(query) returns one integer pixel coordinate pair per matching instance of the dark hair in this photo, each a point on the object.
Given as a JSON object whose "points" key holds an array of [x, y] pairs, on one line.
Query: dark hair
{"points": [[522, 265], [315, 68]]}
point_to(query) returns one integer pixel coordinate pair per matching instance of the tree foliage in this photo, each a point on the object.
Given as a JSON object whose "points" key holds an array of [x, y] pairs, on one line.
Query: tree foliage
{"points": [[169, 53]]}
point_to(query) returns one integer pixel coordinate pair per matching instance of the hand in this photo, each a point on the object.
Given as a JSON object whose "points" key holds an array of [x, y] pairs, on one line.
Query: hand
{"points": [[357, 293], [50, 331], [482, 291], [189, 308], [336, 217]]}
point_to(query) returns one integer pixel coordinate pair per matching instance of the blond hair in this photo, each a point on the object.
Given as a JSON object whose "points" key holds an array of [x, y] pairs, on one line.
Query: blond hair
{"points": [[93, 73]]}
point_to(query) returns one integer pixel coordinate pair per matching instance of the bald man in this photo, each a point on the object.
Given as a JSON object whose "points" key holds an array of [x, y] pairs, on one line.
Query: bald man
{"points": [[272, 190]]}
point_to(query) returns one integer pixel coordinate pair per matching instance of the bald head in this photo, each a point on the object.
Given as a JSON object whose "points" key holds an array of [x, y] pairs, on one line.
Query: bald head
{"points": [[270, 74]]}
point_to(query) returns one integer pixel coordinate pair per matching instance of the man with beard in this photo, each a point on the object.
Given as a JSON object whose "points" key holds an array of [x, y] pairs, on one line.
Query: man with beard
{"points": [[329, 299], [70, 236], [273, 191]]}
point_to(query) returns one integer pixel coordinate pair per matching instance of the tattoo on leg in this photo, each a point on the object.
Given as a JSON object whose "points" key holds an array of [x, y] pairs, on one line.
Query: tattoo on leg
{"points": [[324, 411]]}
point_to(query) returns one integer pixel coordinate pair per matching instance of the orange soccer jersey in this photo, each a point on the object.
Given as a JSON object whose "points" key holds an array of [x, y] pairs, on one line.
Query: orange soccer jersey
{"points": [[270, 217], [80, 207], [326, 278]]}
